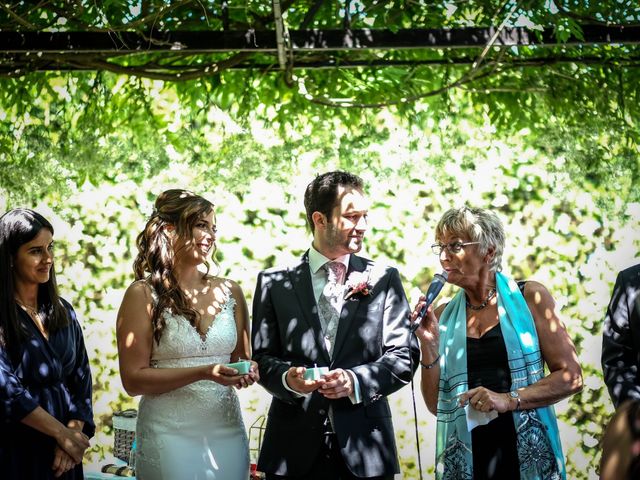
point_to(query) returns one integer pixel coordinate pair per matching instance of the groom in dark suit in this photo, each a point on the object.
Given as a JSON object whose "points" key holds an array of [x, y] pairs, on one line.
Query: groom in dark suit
{"points": [[337, 310], [621, 338]]}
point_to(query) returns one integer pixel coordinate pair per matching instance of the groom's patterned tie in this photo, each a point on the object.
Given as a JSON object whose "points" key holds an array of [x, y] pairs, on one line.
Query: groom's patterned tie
{"points": [[330, 301]]}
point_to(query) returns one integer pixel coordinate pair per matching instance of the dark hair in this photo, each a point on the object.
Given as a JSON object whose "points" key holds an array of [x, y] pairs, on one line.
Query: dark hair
{"points": [[17, 227], [155, 261], [321, 194]]}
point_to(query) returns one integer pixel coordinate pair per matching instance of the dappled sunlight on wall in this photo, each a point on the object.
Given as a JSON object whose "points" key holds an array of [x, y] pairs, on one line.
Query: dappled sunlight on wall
{"points": [[571, 240]]}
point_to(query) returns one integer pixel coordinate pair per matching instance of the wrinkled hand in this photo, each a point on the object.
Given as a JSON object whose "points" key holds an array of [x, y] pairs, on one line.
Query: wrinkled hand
{"points": [[223, 375], [62, 462], [295, 380], [338, 384], [73, 442], [485, 400], [427, 330], [252, 377]]}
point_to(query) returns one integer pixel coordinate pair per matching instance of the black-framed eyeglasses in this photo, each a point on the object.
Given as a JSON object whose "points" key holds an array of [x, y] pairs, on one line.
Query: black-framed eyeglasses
{"points": [[452, 248]]}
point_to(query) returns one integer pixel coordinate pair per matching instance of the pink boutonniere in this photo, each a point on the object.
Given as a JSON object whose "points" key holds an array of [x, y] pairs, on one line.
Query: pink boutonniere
{"points": [[357, 285]]}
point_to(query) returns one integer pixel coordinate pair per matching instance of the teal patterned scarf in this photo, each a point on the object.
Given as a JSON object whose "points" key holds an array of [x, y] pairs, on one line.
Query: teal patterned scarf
{"points": [[538, 442]]}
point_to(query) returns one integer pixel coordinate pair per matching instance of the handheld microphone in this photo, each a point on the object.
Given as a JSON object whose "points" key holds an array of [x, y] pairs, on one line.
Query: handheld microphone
{"points": [[432, 292]]}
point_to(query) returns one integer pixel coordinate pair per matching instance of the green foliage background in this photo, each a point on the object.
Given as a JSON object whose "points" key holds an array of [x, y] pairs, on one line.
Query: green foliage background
{"points": [[564, 230], [547, 137]]}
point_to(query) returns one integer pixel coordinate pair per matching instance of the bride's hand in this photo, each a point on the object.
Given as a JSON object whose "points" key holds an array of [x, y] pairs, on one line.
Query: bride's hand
{"points": [[249, 379], [222, 374]]}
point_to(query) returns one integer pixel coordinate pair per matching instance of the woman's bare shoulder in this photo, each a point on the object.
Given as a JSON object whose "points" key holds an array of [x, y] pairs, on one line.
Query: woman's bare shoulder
{"points": [[227, 286]]}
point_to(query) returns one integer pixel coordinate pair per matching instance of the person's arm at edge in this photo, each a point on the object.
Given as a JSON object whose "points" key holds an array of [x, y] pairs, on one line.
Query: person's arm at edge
{"points": [[619, 358]]}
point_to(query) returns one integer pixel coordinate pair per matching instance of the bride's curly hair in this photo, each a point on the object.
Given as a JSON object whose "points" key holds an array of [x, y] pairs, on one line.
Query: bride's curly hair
{"points": [[156, 256]]}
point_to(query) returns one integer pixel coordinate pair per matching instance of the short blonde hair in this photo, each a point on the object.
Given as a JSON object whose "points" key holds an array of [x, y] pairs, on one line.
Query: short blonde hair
{"points": [[478, 225]]}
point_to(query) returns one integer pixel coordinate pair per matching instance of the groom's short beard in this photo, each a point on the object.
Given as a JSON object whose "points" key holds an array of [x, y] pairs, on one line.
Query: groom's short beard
{"points": [[336, 238]]}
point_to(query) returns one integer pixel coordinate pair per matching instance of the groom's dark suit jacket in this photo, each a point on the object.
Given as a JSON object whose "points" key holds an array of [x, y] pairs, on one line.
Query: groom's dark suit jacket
{"points": [[372, 341], [621, 338]]}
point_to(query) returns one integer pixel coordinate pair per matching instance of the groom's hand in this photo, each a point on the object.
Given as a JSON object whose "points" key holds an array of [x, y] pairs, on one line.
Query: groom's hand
{"points": [[338, 384], [295, 380]]}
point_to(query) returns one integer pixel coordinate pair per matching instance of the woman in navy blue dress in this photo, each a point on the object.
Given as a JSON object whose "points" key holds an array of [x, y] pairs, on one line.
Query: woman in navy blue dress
{"points": [[46, 416]]}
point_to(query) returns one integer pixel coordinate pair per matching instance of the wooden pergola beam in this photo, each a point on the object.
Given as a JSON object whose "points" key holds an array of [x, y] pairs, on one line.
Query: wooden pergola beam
{"points": [[300, 40]]}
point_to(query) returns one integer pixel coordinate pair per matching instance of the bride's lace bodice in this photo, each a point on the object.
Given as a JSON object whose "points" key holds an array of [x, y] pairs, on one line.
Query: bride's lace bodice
{"points": [[181, 345]]}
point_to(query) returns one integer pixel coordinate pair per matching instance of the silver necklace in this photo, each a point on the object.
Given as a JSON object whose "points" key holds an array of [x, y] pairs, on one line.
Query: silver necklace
{"points": [[492, 292]]}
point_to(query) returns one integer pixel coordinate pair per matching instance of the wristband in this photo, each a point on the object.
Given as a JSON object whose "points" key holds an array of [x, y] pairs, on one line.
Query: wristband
{"points": [[516, 395], [431, 365]]}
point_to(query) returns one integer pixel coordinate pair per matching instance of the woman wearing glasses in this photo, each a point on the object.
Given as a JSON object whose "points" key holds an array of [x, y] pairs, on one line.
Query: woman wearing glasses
{"points": [[483, 357]]}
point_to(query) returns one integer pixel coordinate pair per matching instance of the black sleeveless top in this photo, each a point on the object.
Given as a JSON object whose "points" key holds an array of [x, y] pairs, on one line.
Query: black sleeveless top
{"points": [[495, 455]]}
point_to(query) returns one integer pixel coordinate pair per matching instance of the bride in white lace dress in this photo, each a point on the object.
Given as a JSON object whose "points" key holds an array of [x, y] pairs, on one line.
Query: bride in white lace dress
{"points": [[176, 329]]}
